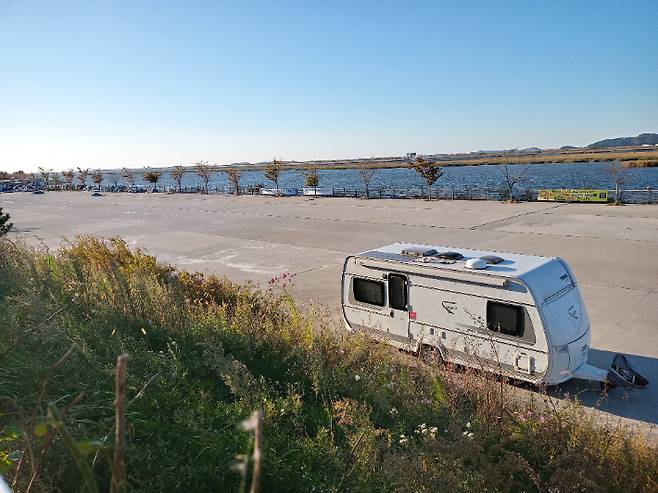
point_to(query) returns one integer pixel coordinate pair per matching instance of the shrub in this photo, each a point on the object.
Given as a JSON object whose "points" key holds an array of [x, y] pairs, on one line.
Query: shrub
{"points": [[5, 225]]}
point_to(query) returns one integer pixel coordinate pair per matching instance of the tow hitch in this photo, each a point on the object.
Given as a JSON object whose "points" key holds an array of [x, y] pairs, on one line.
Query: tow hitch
{"points": [[622, 374]]}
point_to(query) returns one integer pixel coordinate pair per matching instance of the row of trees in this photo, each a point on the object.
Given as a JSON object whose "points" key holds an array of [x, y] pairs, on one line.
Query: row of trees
{"points": [[68, 176], [428, 171], [202, 169]]}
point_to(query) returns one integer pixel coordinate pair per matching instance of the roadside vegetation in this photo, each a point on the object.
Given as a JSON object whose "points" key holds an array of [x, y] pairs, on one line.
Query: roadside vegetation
{"points": [[340, 412], [5, 225]]}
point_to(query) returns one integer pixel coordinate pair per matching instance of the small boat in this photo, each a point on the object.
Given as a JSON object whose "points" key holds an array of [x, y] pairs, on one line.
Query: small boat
{"points": [[317, 192], [281, 192]]}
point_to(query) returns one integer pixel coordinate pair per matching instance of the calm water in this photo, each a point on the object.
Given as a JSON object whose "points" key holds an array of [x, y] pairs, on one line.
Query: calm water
{"points": [[562, 175]]}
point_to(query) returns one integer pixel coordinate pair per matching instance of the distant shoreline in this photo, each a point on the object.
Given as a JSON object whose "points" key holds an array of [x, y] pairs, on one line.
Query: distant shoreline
{"points": [[637, 155]]}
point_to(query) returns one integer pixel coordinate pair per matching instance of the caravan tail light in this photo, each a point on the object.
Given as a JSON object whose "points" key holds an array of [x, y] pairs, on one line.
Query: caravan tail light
{"points": [[412, 315]]}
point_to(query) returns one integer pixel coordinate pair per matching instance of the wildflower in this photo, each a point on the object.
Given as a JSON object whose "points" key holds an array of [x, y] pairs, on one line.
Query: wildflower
{"points": [[393, 411], [357, 377], [542, 419], [468, 425], [470, 435], [403, 439]]}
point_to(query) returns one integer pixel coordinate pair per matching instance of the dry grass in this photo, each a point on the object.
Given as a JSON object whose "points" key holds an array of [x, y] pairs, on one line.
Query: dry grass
{"points": [[643, 163], [340, 412]]}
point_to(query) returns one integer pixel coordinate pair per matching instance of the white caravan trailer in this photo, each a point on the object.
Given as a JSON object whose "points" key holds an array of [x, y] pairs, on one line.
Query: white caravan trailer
{"points": [[521, 315]]}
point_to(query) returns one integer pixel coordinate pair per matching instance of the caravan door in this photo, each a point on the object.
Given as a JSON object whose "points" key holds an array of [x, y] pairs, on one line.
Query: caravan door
{"points": [[398, 305]]}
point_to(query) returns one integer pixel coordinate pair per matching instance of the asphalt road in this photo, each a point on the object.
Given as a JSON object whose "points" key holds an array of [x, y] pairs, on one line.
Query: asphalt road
{"points": [[612, 250]]}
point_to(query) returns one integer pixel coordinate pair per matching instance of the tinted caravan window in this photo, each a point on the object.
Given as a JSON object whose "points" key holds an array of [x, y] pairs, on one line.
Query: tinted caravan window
{"points": [[397, 292], [505, 319], [367, 291]]}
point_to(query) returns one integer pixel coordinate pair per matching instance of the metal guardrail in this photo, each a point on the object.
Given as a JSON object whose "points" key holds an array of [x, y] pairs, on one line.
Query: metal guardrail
{"points": [[629, 196]]}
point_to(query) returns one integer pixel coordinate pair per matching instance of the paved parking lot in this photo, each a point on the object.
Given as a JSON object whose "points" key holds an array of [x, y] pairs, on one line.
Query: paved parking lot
{"points": [[613, 250]]}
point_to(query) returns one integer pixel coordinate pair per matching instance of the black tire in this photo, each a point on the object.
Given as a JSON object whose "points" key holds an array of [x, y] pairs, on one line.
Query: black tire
{"points": [[430, 355]]}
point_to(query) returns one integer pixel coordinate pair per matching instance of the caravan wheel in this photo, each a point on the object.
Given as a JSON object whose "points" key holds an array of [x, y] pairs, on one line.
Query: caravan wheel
{"points": [[430, 355]]}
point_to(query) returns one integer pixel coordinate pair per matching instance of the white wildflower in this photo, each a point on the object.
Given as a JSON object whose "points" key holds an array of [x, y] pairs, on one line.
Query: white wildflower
{"points": [[357, 377], [468, 425]]}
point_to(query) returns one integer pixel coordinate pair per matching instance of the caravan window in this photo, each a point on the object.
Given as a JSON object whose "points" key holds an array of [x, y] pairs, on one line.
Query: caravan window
{"points": [[397, 292], [506, 319], [367, 291]]}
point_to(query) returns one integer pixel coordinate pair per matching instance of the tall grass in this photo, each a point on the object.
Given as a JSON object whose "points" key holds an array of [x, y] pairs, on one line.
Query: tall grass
{"points": [[340, 412], [642, 163]]}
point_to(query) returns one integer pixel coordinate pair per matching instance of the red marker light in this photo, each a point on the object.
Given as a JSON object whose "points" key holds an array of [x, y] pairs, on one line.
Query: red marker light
{"points": [[412, 315]]}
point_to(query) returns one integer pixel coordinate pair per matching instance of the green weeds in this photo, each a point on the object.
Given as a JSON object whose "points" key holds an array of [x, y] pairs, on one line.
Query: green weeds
{"points": [[340, 412]]}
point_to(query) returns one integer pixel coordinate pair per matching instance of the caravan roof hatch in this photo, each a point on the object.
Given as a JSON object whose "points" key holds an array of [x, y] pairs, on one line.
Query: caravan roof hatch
{"points": [[418, 251]]}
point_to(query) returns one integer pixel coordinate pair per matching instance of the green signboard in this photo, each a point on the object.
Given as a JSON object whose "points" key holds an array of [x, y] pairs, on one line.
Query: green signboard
{"points": [[575, 195]]}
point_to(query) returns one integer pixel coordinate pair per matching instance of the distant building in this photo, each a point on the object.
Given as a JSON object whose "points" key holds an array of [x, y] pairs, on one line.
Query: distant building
{"points": [[411, 155]]}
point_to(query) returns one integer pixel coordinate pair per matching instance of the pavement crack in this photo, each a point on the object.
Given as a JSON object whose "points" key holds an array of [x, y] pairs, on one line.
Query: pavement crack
{"points": [[527, 213]]}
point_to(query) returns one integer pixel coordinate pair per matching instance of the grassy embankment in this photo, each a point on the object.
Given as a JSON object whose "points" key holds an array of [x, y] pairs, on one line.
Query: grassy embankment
{"points": [[341, 413]]}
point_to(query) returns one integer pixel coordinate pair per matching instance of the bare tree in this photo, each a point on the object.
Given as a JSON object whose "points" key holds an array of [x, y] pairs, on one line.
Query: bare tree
{"points": [[512, 179], [366, 176], [83, 173], [128, 175], [617, 175], [233, 176], [97, 178], [428, 172], [204, 172], [272, 172], [153, 177], [69, 175], [177, 174], [57, 180], [46, 174]]}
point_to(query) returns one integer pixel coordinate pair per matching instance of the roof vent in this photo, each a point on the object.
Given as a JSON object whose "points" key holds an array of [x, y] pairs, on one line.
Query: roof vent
{"points": [[449, 255], [476, 264], [419, 251], [492, 259]]}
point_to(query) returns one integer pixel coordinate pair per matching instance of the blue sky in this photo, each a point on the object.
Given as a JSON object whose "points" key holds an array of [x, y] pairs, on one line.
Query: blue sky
{"points": [[112, 84]]}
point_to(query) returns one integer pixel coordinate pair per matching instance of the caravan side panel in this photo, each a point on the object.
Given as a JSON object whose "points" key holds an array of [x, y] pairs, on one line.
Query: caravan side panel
{"points": [[457, 323]]}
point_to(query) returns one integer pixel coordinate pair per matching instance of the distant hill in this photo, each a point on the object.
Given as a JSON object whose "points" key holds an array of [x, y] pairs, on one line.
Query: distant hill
{"points": [[626, 141]]}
